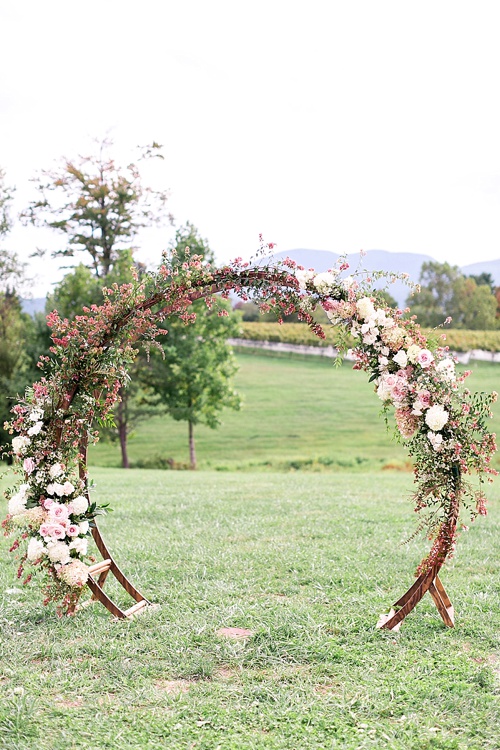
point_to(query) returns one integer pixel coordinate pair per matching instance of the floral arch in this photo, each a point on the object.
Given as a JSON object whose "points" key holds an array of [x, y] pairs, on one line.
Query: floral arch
{"points": [[442, 424]]}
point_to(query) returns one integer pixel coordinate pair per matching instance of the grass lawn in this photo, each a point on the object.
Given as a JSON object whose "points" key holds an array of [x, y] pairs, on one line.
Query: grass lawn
{"points": [[298, 413], [305, 563]]}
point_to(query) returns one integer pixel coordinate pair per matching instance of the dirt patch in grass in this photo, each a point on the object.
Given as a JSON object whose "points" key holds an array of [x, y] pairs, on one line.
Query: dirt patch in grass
{"points": [[173, 687], [237, 633]]}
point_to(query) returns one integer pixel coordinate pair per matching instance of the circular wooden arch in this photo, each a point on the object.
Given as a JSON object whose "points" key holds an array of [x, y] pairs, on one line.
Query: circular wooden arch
{"points": [[104, 335]]}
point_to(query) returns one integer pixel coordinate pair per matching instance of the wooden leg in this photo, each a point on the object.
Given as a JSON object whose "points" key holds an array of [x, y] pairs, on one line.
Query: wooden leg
{"points": [[426, 582]]}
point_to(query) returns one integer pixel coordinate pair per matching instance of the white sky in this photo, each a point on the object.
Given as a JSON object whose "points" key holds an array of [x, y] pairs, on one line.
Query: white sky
{"points": [[327, 124]]}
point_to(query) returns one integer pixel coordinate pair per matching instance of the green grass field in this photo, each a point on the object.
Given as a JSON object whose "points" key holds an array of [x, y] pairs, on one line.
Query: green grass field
{"points": [[305, 563], [298, 413]]}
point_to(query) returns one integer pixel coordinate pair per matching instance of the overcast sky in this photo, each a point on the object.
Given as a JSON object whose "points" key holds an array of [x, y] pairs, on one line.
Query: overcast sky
{"points": [[328, 124]]}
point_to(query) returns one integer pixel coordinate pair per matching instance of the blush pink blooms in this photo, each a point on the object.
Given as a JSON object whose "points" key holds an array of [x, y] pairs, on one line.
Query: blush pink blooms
{"points": [[29, 465], [425, 358]]}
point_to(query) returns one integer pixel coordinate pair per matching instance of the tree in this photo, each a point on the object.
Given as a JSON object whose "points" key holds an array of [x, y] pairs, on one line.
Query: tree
{"points": [[194, 378], [483, 279], [98, 206], [446, 292], [11, 270], [15, 370]]}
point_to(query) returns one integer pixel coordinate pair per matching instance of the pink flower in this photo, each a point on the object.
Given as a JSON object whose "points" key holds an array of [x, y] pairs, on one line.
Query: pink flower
{"points": [[58, 512], [47, 503], [28, 465], [425, 358]]}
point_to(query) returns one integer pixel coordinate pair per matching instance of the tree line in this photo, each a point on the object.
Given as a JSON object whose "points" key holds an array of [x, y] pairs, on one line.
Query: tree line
{"points": [[98, 207]]}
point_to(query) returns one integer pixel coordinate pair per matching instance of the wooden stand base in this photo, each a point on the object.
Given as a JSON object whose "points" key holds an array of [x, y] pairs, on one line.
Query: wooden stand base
{"points": [[97, 576], [426, 582]]}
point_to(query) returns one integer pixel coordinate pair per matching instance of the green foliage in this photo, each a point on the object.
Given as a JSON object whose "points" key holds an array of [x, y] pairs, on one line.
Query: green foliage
{"points": [[15, 332], [303, 562], [193, 372], [11, 269], [98, 206], [445, 292]]}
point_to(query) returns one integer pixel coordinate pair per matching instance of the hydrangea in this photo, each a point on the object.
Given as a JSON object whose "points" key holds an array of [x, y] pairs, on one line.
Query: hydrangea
{"points": [[35, 549], [78, 505], [74, 574], [303, 277], [58, 552], [55, 471], [80, 545], [365, 308]]}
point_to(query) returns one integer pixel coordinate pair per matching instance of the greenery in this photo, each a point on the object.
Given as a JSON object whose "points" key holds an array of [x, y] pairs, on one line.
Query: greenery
{"points": [[298, 412], [306, 566], [192, 373], [445, 291]]}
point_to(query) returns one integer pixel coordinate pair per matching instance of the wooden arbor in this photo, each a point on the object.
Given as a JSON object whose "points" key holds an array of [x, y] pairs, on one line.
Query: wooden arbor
{"points": [[427, 581]]}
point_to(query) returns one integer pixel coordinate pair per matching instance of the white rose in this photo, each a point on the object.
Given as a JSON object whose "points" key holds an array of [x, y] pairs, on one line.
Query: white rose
{"points": [[400, 358], [412, 353], [35, 549], [446, 369], [58, 552], [78, 506], [436, 417], [84, 527], [35, 429], [303, 277], [80, 545], [55, 471], [36, 415], [325, 281], [365, 308], [19, 444]]}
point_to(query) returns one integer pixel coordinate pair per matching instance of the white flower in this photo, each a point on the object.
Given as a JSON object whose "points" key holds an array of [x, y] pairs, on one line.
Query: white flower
{"points": [[35, 549], [60, 489], [400, 358], [303, 277], [55, 471], [324, 282], [58, 552], [365, 308], [446, 369], [436, 440], [36, 415], [436, 417], [17, 505], [412, 352], [78, 506], [19, 444], [348, 282], [84, 527], [80, 545], [35, 429]]}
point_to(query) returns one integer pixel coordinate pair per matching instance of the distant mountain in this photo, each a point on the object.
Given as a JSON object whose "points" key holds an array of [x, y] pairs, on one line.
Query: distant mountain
{"points": [[381, 260], [32, 306], [486, 266]]}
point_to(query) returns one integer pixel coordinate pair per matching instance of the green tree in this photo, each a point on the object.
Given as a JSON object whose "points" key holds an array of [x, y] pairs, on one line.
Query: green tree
{"points": [[98, 206], [11, 269], [15, 364], [446, 292], [194, 378]]}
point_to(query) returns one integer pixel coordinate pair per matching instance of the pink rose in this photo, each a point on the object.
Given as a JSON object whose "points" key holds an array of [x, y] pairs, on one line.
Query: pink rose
{"points": [[47, 503], [73, 529], [58, 512], [54, 530], [425, 358], [28, 465]]}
